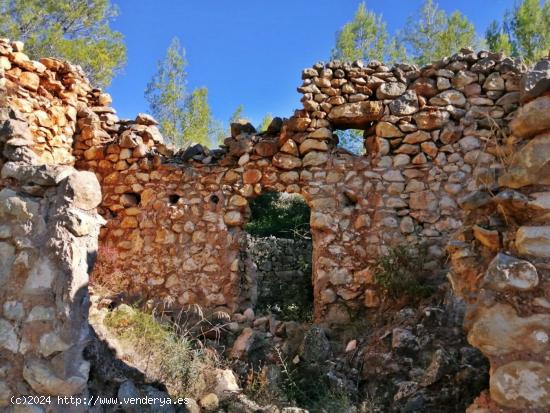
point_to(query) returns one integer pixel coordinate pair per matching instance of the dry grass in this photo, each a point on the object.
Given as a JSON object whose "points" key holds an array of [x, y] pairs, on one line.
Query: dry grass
{"points": [[166, 355]]}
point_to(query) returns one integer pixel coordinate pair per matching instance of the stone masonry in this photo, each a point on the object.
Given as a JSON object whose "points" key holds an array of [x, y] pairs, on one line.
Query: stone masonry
{"points": [[174, 221], [49, 231], [501, 262]]}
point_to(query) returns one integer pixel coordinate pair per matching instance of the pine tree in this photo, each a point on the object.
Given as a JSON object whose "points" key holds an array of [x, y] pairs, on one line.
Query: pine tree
{"points": [[75, 30], [166, 93], [365, 37], [237, 114], [497, 39], [266, 121], [529, 28], [431, 34], [197, 118]]}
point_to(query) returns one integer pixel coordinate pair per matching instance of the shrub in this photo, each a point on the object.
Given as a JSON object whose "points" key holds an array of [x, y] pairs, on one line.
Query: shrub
{"points": [[401, 270], [170, 358], [280, 215]]}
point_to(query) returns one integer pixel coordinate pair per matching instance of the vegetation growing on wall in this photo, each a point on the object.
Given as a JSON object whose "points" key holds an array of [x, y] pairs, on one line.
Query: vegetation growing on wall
{"points": [[401, 270]]}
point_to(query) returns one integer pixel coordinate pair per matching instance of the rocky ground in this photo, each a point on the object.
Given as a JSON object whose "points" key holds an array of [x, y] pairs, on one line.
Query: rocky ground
{"points": [[411, 356]]}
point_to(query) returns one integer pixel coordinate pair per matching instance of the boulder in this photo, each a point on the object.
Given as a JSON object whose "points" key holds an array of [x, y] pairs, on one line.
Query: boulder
{"points": [[390, 90], [534, 241], [536, 81], [530, 165], [532, 118], [242, 126], [356, 115], [145, 119], [506, 272], [315, 158], [498, 331], [83, 189], [286, 161], [431, 119], [406, 104], [522, 385]]}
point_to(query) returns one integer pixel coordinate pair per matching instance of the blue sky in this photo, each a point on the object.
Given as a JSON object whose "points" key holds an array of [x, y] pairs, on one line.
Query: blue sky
{"points": [[249, 52]]}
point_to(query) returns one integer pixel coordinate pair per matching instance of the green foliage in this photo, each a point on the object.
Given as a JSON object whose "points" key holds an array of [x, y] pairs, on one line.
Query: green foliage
{"points": [[524, 31], [166, 93], [399, 272], [75, 30], [279, 215], [365, 37], [183, 118], [262, 127], [431, 34], [197, 118], [237, 114], [497, 39], [307, 387], [171, 357]]}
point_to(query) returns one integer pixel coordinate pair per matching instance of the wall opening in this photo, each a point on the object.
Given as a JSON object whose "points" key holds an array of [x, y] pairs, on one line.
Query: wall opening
{"points": [[280, 245]]}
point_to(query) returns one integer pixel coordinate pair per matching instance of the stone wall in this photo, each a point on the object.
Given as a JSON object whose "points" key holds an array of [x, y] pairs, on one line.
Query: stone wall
{"points": [[501, 262], [48, 235], [282, 272], [436, 137], [433, 135]]}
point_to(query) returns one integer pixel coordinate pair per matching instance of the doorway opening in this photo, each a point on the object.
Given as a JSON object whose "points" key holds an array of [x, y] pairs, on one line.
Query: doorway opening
{"points": [[279, 244]]}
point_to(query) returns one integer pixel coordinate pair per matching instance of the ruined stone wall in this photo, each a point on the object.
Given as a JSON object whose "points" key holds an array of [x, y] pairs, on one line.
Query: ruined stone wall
{"points": [[501, 262], [432, 135], [48, 234], [282, 273], [174, 221], [436, 137]]}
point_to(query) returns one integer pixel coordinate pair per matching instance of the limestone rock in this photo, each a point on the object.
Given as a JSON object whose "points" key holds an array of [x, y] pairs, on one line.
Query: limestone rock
{"points": [[498, 331], [285, 161], [321, 133], [8, 337], [530, 165], [390, 90], [356, 115], [406, 104], [431, 119], [29, 80], [226, 384], [532, 118], [387, 130], [449, 97], [209, 402], [315, 347], [83, 189], [242, 126], [488, 238], [535, 82], [522, 385], [313, 145], [534, 241], [43, 380], [266, 148], [7, 258], [233, 218], [506, 272], [145, 119], [314, 158]]}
